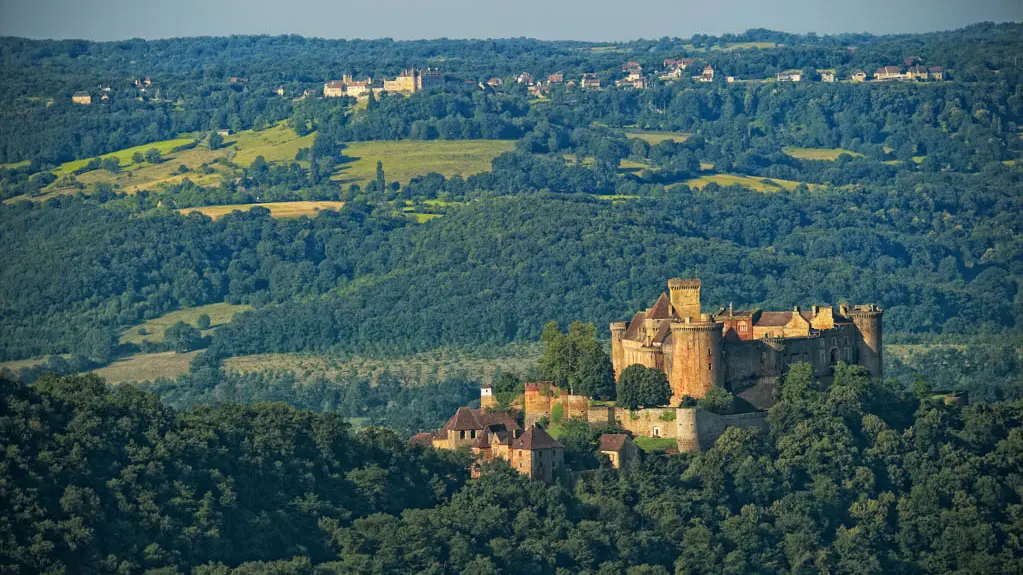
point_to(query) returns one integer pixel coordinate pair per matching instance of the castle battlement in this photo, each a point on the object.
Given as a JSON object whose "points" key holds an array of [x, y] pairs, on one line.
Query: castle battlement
{"points": [[732, 348]]}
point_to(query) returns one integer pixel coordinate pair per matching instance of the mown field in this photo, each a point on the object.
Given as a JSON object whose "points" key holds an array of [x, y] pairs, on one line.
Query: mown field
{"points": [[152, 330], [406, 159], [124, 156], [277, 209], [147, 366], [753, 183], [277, 144], [828, 154], [654, 137]]}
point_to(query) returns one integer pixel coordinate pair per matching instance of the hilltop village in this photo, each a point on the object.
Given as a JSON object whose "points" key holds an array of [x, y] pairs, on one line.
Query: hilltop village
{"points": [[632, 75], [744, 352]]}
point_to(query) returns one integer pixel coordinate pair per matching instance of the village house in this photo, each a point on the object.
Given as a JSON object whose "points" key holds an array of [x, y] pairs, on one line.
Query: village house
{"points": [[917, 72], [491, 435], [495, 82], [888, 73], [589, 81], [730, 79], [635, 80], [937, 73], [619, 448], [334, 89], [708, 74], [81, 98], [788, 76], [858, 76], [827, 75], [556, 78], [524, 78]]}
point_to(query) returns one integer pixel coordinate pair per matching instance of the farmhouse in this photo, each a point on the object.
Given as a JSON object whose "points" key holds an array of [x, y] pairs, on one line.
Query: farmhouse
{"points": [[81, 98], [589, 81], [708, 74], [556, 78], [827, 75], [888, 73], [858, 76], [937, 73], [789, 76]]}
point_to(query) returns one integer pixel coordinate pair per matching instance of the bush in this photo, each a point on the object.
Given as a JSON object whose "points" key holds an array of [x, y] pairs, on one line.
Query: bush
{"points": [[557, 412]]}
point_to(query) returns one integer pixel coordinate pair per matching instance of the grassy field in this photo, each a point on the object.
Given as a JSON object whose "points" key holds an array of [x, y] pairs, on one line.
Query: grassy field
{"points": [[147, 366], [124, 155], [654, 137], [652, 444], [220, 314], [829, 154], [754, 183], [277, 209], [406, 159], [439, 363], [21, 363], [276, 144], [15, 165]]}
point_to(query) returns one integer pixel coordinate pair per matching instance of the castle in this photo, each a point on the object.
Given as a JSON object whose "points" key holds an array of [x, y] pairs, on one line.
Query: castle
{"points": [[742, 351], [411, 81]]}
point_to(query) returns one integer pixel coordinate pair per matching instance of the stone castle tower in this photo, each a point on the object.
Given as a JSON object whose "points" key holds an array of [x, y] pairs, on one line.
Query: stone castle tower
{"points": [[741, 350]]}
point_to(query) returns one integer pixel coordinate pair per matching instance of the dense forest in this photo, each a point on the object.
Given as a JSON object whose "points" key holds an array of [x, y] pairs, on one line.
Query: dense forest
{"points": [[860, 478]]}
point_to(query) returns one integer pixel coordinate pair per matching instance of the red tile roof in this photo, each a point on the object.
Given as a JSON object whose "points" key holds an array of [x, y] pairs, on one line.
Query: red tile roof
{"points": [[536, 438], [613, 441]]}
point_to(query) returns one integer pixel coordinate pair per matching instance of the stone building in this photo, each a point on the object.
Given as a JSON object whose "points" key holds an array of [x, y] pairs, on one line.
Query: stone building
{"points": [[619, 448], [496, 435], [81, 98], [411, 81], [743, 351]]}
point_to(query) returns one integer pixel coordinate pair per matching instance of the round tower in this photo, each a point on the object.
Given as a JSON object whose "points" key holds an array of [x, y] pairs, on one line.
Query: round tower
{"points": [[867, 319], [696, 357], [687, 435], [685, 297], [617, 352]]}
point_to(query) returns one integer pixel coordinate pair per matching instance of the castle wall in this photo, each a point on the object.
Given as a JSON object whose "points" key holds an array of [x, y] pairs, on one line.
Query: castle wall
{"points": [[694, 429], [710, 426], [648, 422], [746, 359]]}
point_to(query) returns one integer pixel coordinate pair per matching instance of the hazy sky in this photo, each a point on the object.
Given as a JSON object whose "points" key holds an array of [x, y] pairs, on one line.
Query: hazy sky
{"points": [[544, 19]]}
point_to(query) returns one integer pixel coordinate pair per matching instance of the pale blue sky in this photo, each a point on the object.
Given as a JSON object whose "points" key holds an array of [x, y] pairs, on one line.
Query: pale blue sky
{"points": [[544, 19]]}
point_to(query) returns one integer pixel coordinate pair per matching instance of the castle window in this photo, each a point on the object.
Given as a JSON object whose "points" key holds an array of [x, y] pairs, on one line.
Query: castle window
{"points": [[822, 356], [461, 435], [845, 340], [742, 327], [834, 341], [657, 431]]}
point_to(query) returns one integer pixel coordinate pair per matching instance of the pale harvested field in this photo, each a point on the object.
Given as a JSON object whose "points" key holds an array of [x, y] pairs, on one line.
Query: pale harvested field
{"points": [[147, 366], [277, 209]]}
